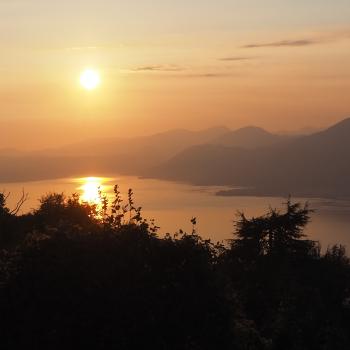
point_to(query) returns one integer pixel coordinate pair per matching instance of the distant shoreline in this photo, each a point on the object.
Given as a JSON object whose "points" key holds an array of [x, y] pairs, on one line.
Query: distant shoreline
{"points": [[241, 192], [228, 191]]}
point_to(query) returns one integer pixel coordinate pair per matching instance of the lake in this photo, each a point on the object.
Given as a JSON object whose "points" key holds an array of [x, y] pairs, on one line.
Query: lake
{"points": [[173, 205]]}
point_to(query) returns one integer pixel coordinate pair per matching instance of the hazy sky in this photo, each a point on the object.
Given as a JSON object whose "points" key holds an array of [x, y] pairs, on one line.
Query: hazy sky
{"points": [[280, 64]]}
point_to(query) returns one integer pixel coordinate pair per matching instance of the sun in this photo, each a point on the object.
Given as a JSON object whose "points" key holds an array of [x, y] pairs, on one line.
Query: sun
{"points": [[90, 79]]}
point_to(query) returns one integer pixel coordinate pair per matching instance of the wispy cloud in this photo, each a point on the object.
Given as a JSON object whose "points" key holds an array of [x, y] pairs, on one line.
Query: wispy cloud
{"points": [[235, 58], [158, 68], [322, 38], [174, 71], [178, 72], [205, 75], [284, 43]]}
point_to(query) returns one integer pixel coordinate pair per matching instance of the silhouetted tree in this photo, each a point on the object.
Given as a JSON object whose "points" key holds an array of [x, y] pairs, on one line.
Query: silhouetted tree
{"points": [[77, 275], [275, 233]]}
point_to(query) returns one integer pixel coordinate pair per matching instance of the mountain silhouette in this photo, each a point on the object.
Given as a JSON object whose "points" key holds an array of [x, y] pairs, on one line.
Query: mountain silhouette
{"points": [[160, 145], [315, 165], [249, 137], [118, 155], [250, 160]]}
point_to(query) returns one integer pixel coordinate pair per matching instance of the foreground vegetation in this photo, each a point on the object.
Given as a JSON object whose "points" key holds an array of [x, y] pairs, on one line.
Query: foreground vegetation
{"points": [[74, 275]]}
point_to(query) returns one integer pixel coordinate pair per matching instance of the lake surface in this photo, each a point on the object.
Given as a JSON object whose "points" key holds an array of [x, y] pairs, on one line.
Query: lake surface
{"points": [[173, 205]]}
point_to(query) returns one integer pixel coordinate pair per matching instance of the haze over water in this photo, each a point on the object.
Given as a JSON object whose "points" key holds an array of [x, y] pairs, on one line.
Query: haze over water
{"points": [[172, 205]]}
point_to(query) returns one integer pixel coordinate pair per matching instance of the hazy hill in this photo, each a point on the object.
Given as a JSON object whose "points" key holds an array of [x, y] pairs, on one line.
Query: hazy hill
{"points": [[161, 145], [305, 131], [10, 152], [249, 137], [311, 165], [249, 158], [102, 156]]}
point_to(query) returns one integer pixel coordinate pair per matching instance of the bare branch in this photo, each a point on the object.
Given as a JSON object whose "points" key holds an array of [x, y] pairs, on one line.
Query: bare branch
{"points": [[21, 201], [6, 196]]}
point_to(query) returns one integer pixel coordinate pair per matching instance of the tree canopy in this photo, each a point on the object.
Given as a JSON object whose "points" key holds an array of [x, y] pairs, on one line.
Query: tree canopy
{"points": [[76, 275]]}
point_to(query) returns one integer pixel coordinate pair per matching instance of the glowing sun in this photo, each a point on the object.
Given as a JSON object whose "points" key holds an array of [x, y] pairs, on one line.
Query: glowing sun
{"points": [[90, 79]]}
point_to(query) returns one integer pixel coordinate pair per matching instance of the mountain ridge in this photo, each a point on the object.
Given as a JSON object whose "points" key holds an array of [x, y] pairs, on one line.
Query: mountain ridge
{"points": [[311, 165], [315, 164]]}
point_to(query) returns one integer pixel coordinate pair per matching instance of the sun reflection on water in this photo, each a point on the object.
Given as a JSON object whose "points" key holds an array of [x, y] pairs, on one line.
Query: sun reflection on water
{"points": [[91, 190]]}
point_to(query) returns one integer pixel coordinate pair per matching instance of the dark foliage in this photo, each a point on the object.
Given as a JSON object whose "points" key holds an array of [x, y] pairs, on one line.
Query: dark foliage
{"points": [[74, 275]]}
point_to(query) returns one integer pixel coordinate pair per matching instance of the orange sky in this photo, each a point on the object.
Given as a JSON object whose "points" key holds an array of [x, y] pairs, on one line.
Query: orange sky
{"points": [[166, 65]]}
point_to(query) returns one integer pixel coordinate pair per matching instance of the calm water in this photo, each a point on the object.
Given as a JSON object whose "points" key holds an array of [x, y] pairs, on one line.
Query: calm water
{"points": [[172, 205]]}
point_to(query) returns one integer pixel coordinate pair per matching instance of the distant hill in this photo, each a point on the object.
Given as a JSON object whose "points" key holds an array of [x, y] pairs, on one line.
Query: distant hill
{"points": [[315, 165], [171, 142], [249, 137], [103, 156], [252, 159], [309, 130], [10, 152]]}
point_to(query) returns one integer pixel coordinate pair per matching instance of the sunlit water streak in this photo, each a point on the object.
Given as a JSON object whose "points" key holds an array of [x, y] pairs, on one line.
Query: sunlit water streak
{"points": [[91, 190], [172, 205]]}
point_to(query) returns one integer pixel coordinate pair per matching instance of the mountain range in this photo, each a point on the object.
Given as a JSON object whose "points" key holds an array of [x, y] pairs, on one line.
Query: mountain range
{"points": [[314, 165], [251, 160]]}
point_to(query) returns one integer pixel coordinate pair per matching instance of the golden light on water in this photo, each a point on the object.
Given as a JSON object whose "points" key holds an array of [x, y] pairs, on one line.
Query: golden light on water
{"points": [[90, 190]]}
